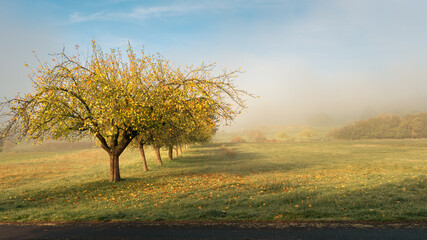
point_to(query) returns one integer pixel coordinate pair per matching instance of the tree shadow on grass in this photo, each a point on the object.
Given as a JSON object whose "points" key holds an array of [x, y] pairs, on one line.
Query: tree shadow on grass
{"points": [[399, 201], [67, 198], [396, 201], [217, 158]]}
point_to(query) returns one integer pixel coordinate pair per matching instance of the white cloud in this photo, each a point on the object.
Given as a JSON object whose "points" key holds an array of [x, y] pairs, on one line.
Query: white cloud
{"points": [[176, 8], [77, 17], [171, 10], [138, 13]]}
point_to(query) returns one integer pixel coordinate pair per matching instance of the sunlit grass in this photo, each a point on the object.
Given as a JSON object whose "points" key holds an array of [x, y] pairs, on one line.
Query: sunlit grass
{"points": [[360, 180]]}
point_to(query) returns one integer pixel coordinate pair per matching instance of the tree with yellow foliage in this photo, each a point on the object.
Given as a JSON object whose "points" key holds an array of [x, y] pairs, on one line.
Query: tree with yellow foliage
{"points": [[115, 99]]}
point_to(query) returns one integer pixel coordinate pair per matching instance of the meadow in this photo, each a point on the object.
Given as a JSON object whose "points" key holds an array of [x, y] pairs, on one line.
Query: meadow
{"points": [[380, 180]]}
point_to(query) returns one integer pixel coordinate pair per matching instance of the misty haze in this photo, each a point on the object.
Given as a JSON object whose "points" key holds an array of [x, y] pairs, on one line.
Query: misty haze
{"points": [[213, 111]]}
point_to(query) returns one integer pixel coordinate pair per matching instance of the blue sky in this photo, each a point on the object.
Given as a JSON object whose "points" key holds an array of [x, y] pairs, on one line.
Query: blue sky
{"points": [[344, 58]]}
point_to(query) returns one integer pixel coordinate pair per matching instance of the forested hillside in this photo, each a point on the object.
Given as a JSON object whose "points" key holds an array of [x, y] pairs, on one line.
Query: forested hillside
{"points": [[385, 126]]}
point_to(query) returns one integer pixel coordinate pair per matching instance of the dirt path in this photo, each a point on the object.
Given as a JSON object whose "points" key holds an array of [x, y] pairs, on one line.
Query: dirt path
{"points": [[215, 230]]}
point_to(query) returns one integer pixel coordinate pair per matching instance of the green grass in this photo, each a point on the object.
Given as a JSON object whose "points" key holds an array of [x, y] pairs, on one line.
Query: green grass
{"points": [[356, 180]]}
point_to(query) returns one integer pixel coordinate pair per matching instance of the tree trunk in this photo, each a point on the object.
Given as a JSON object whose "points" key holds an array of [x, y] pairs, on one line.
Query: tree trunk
{"points": [[158, 157], [114, 150], [170, 155], [176, 151], [180, 148], [114, 167], [144, 160]]}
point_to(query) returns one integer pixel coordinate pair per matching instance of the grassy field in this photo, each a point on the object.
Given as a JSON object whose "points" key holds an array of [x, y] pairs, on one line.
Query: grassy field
{"points": [[356, 180]]}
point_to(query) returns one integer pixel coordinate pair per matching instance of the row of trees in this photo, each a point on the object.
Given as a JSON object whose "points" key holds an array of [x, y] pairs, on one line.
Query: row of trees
{"points": [[121, 101], [385, 126]]}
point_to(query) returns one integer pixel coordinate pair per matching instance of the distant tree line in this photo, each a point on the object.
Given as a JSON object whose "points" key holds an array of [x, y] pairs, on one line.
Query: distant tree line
{"points": [[259, 136], [385, 126]]}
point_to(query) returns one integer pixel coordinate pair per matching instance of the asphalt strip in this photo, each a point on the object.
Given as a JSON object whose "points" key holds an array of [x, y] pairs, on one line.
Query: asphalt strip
{"points": [[215, 230]]}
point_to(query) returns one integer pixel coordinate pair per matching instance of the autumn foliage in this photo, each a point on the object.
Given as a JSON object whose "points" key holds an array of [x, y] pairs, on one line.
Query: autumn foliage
{"points": [[116, 99]]}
